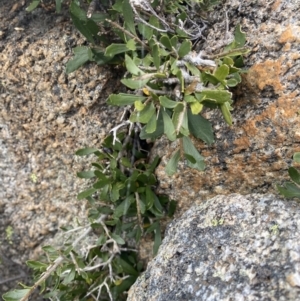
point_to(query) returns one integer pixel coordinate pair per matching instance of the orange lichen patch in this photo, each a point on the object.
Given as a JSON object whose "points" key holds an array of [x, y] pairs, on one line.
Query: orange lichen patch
{"points": [[290, 105], [295, 56], [250, 128], [241, 143], [276, 4], [288, 34], [287, 47], [266, 73]]}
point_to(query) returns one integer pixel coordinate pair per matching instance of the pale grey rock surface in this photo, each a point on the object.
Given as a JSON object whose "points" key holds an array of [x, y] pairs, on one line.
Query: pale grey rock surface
{"points": [[243, 248]]}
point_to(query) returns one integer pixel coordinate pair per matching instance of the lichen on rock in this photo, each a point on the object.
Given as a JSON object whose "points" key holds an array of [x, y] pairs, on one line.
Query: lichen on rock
{"points": [[227, 248]]}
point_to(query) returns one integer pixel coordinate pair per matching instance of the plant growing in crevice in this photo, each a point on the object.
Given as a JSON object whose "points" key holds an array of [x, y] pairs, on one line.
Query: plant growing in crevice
{"points": [[169, 82], [99, 260]]}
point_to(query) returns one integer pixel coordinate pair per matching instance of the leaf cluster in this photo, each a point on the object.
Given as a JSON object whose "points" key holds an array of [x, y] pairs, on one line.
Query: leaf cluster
{"points": [[123, 208]]}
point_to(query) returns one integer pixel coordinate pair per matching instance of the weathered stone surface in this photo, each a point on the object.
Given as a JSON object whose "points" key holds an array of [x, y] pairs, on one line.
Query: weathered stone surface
{"points": [[227, 248], [253, 154], [45, 116]]}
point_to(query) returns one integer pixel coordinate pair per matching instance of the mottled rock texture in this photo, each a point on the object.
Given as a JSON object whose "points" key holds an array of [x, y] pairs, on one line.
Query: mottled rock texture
{"points": [[227, 248], [45, 116], [254, 154]]}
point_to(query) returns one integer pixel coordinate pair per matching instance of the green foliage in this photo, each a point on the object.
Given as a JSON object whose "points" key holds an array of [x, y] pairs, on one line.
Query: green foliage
{"points": [[123, 208], [292, 189], [35, 3], [168, 86]]}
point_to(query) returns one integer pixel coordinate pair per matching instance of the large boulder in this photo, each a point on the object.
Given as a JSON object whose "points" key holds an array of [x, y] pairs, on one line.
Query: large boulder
{"points": [[45, 116], [227, 248]]}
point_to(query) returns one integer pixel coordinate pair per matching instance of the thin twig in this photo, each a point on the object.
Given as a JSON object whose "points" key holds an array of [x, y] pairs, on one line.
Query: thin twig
{"points": [[128, 33], [138, 209]]}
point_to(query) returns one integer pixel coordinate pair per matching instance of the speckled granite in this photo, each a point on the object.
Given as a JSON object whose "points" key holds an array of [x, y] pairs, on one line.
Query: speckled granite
{"points": [[45, 116], [254, 154], [242, 248]]}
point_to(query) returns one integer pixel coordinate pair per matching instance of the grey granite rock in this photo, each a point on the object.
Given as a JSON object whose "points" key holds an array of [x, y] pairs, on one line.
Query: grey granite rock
{"points": [[228, 248]]}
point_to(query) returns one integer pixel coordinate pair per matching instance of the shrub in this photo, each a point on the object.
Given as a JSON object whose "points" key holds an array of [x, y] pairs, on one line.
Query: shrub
{"points": [[169, 83]]}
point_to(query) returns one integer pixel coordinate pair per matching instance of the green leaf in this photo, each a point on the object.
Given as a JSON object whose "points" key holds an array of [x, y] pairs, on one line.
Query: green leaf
{"points": [[196, 107], [190, 158], [150, 197], [15, 295], [142, 205], [169, 128], [128, 16], [127, 268], [131, 45], [226, 108], [126, 162], [100, 184], [58, 5], [180, 119], [145, 31], [151, 125], [181, 80], [201, 128], [156, 56], [234, 79], [221, 73], [86, 174], [289, 190], [99, 17], [174, 41], [218, 96], [190, 149], [134, 84], [166, 42], [185, 48], [296, 157], [193, 69], [101, 240], [171, 166], [123, 99], [84, 194], [114, 49], [86, 26], [49, 249], [115, 191], [37, 265], [190, 98], [139, 106], [159, 129], [123, 207], [86, 151], [145, 115], [294, 174], [167, 102], [172, 208], [239, 39], [118, 239], [157, 206], [33, 5], [82, 55], [157, 238], [131, 67], [70, 276]]}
